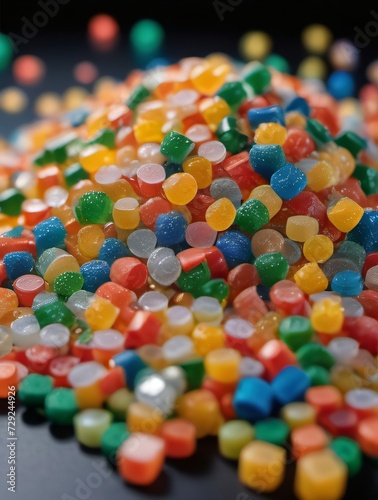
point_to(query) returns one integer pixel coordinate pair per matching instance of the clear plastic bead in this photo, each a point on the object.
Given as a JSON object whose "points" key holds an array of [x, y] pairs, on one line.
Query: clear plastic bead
{"points": [[108, 339], [108, 175], [200, 235], [155, 391], [352, 308], [163, 266], [226, 188], [5, 341], [151, 173], [125, 156], [55, 335], [239, 328], [85, 374], [317, 297], [207, 310], [25, 181], [153, 302], [198, 133], [44, 298], [362, 399], [25, 331], [250, 367], [150, 153], [79, 302], [55, 196], [185, 98], [371, 278], [292, 251], [180, 320], [178, 349], [343, 349], [214, 151], [175, 376], [142, 243], [336, 265]]}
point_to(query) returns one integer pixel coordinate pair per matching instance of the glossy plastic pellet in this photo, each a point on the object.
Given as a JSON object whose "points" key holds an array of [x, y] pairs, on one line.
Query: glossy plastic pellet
{"points": [[180, 438], [311, 279], [163, 266], [60, 367], [253, 399], [150, 179], [289, 385], [207, 338], [113, 438], [318, 248], [226, 188], [170, 228], [34, 389], [233, 437], [61, 406], [180, 188], [179, 320], [298, 414], [343, 349], [202, 409], [300, 228], [221, 214], [252, 215], [5, 341], [140, 458], [84, 378], [295, 331], [176, 146], [200, 235], [17, 264], [345, 214], [320, 474], [119, 402], [144, 418], [27, 287], [349, 452], [288, 181], [255, 465], [222, 365], [367, 436], [235, 247], [364, 402], [267, 241], [271, 267], [90, 425], [155, 302], [49, 233], [8, 377], [207, 310], [178, 348], [25, 331], [158, 393], [272, 430], [342, 422], [371, 278], [275, 355], [327, 316], [307, 439], [55, 335], [94, 207]]}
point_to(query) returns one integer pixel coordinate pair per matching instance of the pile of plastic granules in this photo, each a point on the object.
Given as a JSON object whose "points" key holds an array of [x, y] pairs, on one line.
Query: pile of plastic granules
{"points": [[195, 252]]}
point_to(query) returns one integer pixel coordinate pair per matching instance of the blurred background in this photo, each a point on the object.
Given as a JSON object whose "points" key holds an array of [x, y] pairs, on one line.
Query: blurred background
{"points": [[62, 49]]}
